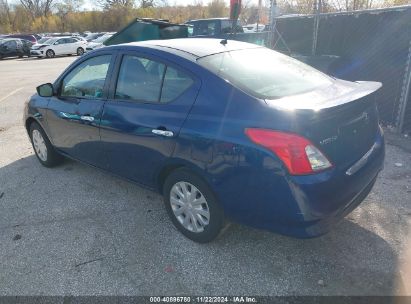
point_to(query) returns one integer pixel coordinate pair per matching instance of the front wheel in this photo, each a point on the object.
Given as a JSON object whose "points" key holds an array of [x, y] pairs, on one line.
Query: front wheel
{"points": [[80, 51], [50, 54], [192, 206], [43, 148]]}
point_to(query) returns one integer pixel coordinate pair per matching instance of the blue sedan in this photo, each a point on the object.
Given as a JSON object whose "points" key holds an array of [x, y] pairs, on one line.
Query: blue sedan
{"points": [[222, 129]]}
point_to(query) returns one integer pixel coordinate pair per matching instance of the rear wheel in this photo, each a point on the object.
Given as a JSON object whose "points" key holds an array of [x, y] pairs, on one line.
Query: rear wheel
{"points": [[80, 51], [192, 206], [43, 148], [50, 54]]}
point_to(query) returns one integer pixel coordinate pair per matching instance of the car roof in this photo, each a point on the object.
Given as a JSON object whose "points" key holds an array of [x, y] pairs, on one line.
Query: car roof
{"points": [[196, 47], [210, 19]]}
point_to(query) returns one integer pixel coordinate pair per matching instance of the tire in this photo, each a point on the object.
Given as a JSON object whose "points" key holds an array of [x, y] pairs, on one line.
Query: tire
{"points": [[80, 51], [40, 141], [207, 228], [50, 54]]}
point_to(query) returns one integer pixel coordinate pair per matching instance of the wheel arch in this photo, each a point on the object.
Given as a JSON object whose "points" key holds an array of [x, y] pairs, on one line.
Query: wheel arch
{"points": [[30, 120], [28, 123], [173, 165]]}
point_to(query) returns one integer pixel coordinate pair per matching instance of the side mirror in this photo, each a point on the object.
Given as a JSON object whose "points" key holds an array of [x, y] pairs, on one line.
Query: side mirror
{"points": [[56, 43], [45, 90]]}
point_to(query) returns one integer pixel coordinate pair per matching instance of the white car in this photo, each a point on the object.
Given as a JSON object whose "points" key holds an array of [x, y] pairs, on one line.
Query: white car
{"points": [[252, 28], [59, 46], [98, 43]]}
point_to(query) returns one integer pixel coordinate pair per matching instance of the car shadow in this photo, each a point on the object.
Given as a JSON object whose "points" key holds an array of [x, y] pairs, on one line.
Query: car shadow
{"points": [[134, 239]]}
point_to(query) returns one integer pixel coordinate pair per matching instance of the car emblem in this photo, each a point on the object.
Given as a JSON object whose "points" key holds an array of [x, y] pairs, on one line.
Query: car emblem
{"points": [[328, 140]]}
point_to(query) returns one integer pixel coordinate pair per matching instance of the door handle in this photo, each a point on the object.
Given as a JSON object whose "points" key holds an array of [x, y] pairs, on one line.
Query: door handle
{"points": [[87, 118], [163, 132]]}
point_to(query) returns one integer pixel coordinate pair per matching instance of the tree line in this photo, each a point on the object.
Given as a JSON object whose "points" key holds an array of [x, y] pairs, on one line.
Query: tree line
{"points": [[49, 16]]}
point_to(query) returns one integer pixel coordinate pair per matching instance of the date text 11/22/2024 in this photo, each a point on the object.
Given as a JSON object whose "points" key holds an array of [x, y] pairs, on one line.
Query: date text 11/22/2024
{"points": [[203, 299]]}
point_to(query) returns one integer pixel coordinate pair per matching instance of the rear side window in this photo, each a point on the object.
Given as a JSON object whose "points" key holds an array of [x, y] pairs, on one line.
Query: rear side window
{"points": [[264, 73], [139, 79], [175, 83], [146, 80], [87, 79]]}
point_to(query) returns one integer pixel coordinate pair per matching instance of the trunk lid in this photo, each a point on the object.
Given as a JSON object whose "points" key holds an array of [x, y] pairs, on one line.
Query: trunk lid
{"points": [[341, 120]]}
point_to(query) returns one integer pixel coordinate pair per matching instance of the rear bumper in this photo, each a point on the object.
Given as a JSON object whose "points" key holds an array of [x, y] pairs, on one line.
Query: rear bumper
{"points": [[340, 192], [302, 206]]}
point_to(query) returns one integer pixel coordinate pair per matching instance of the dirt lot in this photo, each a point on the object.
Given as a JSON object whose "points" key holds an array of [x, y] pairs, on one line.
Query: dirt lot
{"points": [[74, 230]]}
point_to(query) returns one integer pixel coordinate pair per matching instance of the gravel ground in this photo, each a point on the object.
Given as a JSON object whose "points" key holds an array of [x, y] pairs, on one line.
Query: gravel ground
{"points": [[75, 230]]}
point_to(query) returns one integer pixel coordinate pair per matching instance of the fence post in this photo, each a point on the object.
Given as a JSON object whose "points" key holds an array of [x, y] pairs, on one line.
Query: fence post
{"points": [[273, 15], [405, 90], [317, 8]]}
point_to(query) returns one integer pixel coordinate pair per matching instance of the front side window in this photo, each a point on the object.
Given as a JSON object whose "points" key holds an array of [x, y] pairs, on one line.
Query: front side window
{"points": [[205, 28], [264, 73], [87, 79]]}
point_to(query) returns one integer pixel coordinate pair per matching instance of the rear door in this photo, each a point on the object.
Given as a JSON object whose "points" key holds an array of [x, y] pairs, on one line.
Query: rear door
{"points": [[74, 115], [143, 116], [72, 45]]}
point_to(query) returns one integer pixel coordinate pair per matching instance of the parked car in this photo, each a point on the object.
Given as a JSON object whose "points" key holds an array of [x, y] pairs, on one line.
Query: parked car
{"points": [[11, 47], [41, 41], [30, 38], [252, 28], [223, 129], [78, 37], [214, 26], [93, 36], [59, 46], [98, 43]]}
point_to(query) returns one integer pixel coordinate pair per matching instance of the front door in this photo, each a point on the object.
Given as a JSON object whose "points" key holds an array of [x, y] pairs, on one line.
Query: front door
{"points": [[144, 114], [74, 114], [59, 46]]}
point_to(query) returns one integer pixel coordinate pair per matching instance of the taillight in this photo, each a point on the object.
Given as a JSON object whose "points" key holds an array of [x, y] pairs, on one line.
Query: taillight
{"points": [[297, 153]]}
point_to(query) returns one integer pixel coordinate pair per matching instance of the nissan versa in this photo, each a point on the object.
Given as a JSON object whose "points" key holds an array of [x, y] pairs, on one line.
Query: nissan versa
{"points": [[223, 129]]}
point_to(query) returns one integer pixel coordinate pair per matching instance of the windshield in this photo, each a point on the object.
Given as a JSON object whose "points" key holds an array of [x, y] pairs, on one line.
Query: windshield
{"points": [[264, 73], [43, 40], [102, 38], [51, 41]]}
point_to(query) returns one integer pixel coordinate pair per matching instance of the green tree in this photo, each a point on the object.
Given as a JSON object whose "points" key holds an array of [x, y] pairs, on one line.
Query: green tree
{"points": [[217, 8]]}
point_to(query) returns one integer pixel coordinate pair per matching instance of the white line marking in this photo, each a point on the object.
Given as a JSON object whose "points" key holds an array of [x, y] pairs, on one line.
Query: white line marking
{"points": [[8, 95]]}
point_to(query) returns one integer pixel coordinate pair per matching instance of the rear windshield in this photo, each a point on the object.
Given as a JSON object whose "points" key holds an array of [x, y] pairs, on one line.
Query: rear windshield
{"points": [[264, 73]]}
